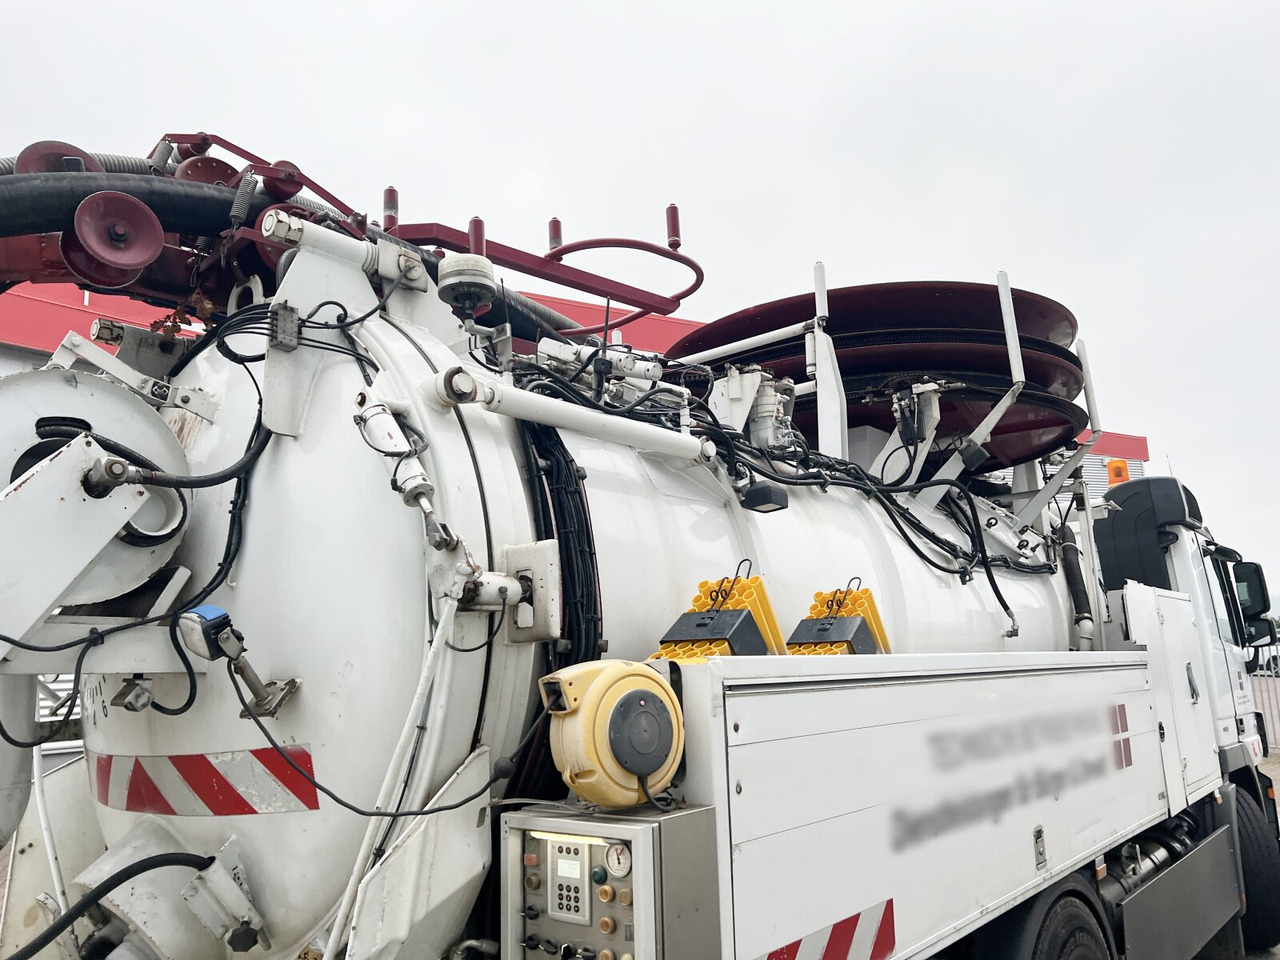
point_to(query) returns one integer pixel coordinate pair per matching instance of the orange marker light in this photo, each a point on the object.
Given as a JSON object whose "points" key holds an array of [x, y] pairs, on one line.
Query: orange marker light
{"points": [[1117, 472]]}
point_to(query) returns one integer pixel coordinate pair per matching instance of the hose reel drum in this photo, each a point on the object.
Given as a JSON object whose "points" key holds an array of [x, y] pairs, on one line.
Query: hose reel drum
{"points": [[42, 407], [617, 730]]}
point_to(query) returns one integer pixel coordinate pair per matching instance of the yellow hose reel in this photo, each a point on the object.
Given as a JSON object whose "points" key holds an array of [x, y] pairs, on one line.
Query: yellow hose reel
{"points": [[616, 729]]}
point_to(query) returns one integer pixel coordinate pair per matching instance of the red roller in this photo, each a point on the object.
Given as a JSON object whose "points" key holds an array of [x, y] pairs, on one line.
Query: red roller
{"points": [[114, 237], [47, 156], [285, 184]]}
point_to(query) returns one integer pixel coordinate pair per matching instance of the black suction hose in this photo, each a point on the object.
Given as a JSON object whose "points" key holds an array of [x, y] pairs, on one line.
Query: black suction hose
{"points": [[46, 203], [121, 876], [1075, 576]]}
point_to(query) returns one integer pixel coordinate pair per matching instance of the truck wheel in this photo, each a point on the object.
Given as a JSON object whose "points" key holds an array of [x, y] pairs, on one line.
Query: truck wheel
{"points": [[1260, 854], [1070, 932]]}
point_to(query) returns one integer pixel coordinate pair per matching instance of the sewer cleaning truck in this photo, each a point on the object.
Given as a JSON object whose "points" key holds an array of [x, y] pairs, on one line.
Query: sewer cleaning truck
{"points": [[407, 618]]}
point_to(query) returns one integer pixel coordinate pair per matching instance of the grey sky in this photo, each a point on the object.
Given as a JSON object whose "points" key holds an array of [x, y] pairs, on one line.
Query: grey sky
{"points": [[1119, 157]]}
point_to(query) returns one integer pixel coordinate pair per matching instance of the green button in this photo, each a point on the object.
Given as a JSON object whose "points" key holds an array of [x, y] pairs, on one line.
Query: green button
{"points": [[598, 874]]}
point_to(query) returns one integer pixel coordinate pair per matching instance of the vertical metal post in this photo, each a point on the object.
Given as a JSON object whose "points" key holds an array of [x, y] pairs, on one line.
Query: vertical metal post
{"points": [[390, 209], [823, 366], [1089, 560], [1011, 340]]}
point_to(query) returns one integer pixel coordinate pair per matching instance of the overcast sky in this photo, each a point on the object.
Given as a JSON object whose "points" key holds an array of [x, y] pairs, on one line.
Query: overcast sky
{"points": [[1118, 157]]}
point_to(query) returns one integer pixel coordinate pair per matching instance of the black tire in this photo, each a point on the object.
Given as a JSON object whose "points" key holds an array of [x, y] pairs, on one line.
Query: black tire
{"points": [[1070, 932], [1260, 854]]}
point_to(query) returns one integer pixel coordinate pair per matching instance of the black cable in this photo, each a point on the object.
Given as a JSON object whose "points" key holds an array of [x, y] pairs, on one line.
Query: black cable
{"points": [[644, 787], [94, 896], [503, 767], [344, 323], [262, 435], [484, 513], [502, 615], [89, 643], [230, 551]]}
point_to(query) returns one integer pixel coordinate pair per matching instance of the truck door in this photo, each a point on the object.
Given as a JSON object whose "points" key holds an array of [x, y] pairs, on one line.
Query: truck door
{"points": [[1230, 690], [1189, 672]]}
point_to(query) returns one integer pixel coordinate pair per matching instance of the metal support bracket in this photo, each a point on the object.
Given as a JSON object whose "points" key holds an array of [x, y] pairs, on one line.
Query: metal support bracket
{"points": [[156, 392], [49, 506], [219, 897], [1031, 509], [982, 432], [823, 368], [538, 617]]}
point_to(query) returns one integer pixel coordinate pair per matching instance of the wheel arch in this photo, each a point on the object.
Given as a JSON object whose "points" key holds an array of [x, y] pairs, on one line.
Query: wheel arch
{"points": [[1014, 934]]}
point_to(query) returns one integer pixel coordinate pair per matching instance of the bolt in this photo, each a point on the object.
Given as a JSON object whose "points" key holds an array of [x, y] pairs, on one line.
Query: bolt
{"points": [[118, 232], [115, 469], [991, 522], [185, 398]]}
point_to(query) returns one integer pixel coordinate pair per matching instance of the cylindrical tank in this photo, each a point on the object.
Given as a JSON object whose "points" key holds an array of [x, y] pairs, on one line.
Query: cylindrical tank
{"points": [[331, 588]]}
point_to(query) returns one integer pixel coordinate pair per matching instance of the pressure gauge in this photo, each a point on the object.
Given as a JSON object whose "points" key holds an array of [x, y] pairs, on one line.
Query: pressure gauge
{"points": [[617, 859]]}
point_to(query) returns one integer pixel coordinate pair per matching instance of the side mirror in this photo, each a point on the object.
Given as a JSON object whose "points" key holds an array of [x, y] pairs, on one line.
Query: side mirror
{"points": [[1251, 586], [1260, 632]]}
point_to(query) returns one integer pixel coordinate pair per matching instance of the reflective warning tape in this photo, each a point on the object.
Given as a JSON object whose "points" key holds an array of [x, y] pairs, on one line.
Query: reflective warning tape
{"points": [[234, 783], [868, 935]]}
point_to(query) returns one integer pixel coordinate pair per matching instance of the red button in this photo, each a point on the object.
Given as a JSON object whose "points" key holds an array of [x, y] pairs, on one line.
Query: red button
{"points": [[530, 859]]}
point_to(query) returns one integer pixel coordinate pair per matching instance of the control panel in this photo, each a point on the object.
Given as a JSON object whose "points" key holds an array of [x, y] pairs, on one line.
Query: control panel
{"points": [[625, 885]]}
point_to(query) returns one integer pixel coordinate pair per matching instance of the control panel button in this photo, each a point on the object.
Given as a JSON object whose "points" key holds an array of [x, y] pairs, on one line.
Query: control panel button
{"points": [[599, 874], [605, 893], [624, 896], [606, 954], [608, 925], [532, 882], [530, 859]]}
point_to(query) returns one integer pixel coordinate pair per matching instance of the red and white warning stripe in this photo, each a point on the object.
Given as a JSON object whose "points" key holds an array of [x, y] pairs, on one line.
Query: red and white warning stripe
{"points": [[868, 935], [234, 783]]}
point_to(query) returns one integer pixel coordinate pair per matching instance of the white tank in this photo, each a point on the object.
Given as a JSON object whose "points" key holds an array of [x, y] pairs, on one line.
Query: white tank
{"points": [[331, 588]]}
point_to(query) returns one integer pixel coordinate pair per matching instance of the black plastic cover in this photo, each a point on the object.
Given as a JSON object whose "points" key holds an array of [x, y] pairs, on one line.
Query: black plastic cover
{"points": [[1132, 541], [737, 626], [641, 732], [854, 631]]}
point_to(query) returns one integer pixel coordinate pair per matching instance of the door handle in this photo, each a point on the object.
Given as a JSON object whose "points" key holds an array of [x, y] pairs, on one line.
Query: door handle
{"points": [[1191, 681]]}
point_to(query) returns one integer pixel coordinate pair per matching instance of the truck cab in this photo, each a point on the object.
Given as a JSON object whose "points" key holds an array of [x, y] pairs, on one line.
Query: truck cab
{"points": [[1152, 533]]}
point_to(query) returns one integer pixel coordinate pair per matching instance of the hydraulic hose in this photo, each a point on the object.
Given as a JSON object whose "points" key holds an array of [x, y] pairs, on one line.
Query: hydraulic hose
{"points": [[121, 876], [157, 478]]}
